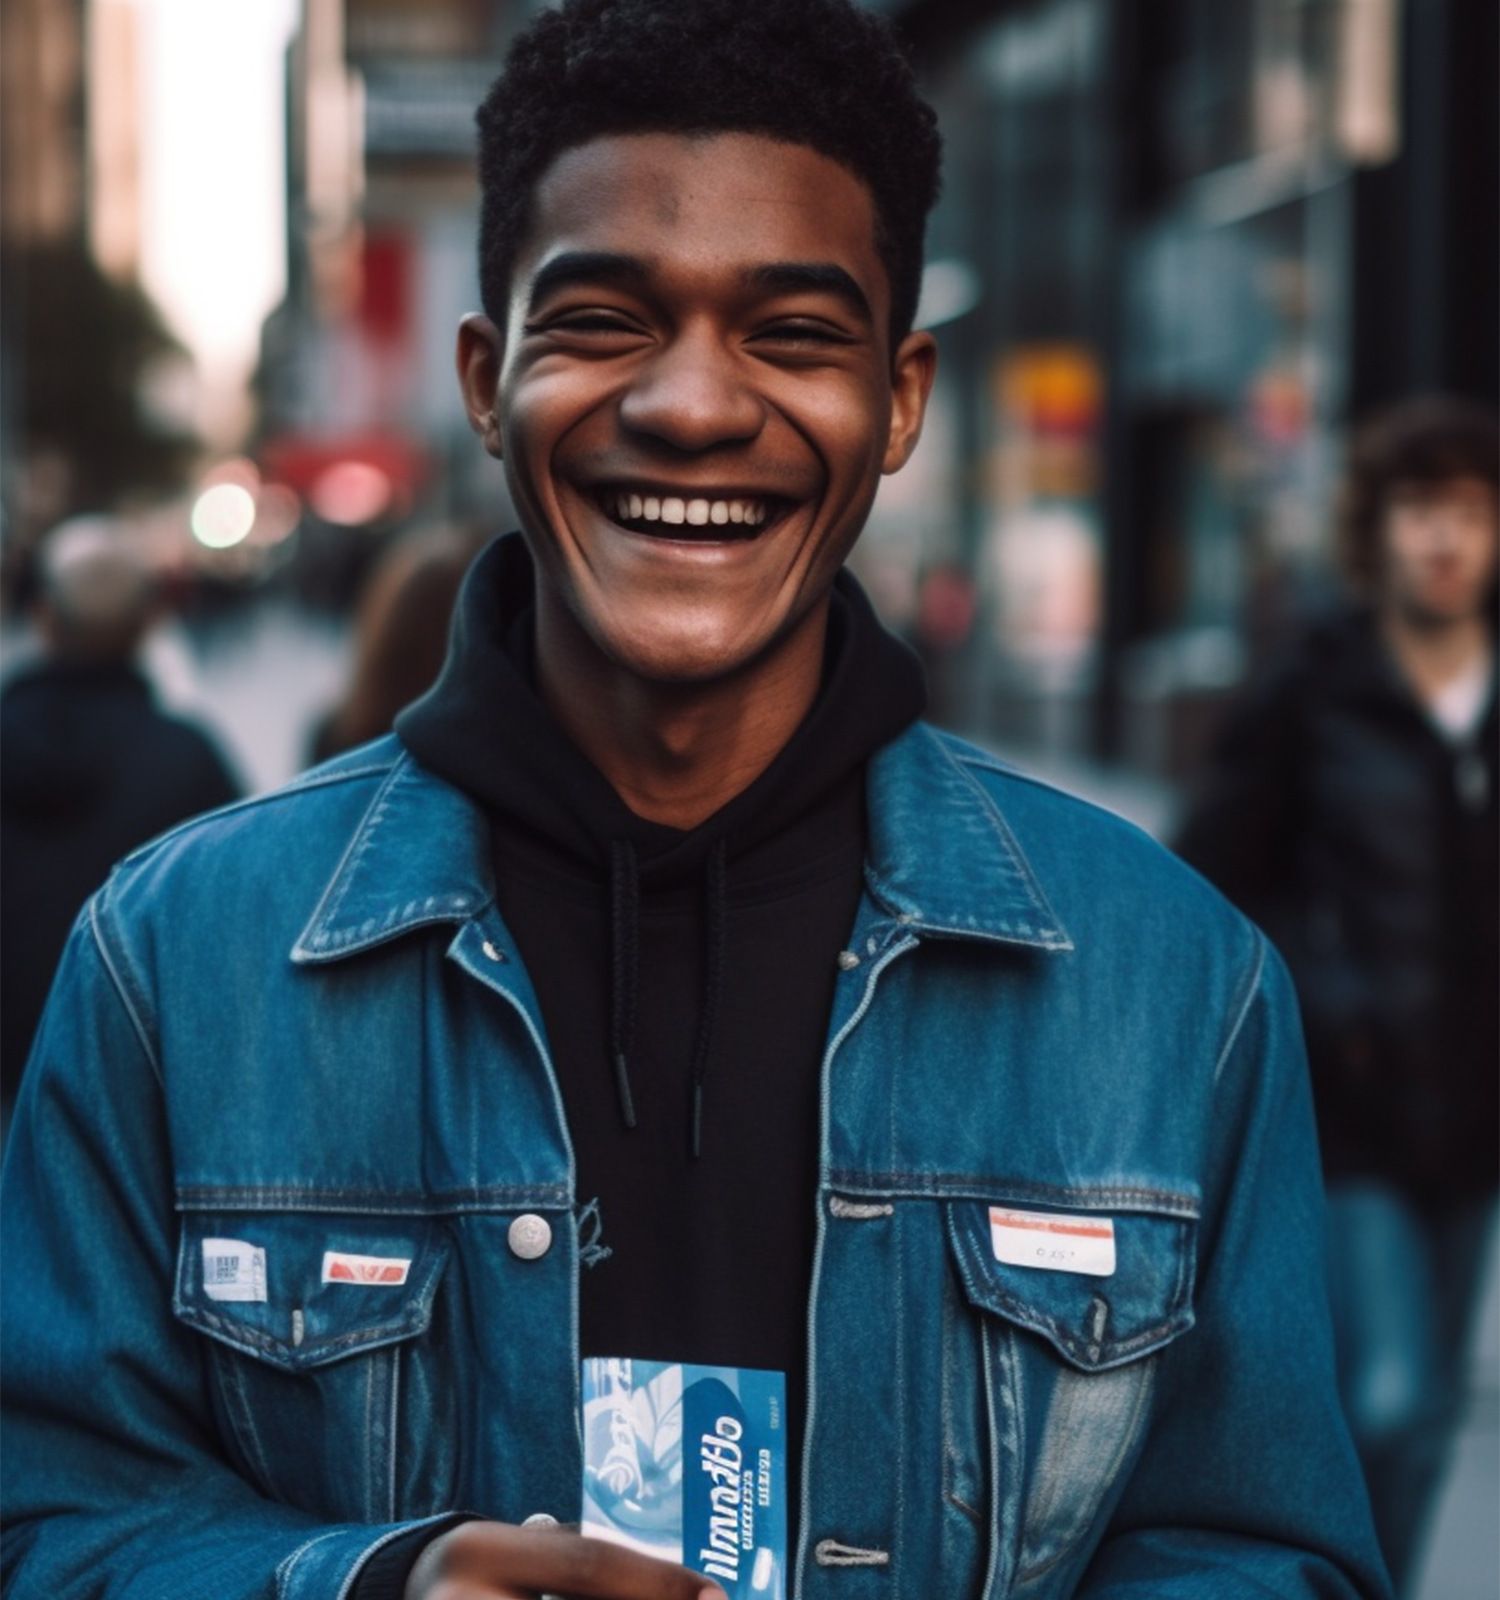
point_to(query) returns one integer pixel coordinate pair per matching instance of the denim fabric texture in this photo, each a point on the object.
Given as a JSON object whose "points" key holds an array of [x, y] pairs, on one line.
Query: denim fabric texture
{"points": [[299, 1025]]}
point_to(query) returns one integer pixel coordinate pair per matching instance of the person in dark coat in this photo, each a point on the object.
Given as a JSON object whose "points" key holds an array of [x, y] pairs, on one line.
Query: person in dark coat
{"points": [[1350, 808], [90, 767]]}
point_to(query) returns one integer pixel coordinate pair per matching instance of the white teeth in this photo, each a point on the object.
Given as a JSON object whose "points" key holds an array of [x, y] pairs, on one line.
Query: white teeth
{"points": [[676, 509]]}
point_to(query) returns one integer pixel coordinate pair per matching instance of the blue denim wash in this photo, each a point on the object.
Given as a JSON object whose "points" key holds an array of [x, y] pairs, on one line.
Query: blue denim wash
{"points": [[301, 1024]]}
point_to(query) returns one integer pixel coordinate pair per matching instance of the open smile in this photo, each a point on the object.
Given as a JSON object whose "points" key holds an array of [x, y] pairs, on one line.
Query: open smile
{"points": [[664, 515]]}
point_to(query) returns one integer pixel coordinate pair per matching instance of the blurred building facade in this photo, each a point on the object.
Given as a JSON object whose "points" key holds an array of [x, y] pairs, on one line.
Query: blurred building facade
{"points": [[1192, 239], [83, 352], [1181, 243], [359, 410]]}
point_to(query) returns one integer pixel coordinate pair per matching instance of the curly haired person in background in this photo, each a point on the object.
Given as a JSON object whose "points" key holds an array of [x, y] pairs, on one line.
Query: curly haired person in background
{"points": [[1350, 808]]}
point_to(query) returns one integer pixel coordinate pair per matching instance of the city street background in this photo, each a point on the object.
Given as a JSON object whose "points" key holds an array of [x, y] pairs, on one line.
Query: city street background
{"points": [[1183, 247]]}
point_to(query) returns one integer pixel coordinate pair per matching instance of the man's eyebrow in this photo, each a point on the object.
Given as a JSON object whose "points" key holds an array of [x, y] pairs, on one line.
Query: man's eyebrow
{"points": [[583, 266], [776, 277], [818, 277]]}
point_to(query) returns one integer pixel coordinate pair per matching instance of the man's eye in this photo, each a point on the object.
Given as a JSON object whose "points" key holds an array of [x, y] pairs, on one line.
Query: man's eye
{"points": [[803, 335], [584, 324]]}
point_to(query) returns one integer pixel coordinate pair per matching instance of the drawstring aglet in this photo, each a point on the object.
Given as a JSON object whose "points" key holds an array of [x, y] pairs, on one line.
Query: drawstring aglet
{"points": [[622, 1088]]}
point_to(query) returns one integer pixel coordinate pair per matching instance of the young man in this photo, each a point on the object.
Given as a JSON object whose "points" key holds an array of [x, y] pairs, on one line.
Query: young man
{"points": [[666, 991], [1351, 808]]}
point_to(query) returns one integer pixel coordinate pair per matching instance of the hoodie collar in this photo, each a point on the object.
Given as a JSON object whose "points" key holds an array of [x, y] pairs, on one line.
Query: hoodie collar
{"points": [[483, 726], [421, 855]]}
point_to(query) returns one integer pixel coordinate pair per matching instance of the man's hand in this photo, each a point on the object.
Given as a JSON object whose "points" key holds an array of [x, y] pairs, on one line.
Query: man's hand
{"points": [[497, 1561]]}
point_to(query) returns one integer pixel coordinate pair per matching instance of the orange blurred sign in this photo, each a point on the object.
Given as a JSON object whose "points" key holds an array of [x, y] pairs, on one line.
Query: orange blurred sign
{"points": [[1050, 388]]}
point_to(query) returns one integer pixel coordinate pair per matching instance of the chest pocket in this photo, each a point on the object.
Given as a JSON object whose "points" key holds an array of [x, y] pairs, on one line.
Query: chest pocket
{"points": [[1067, 1361], [321, 1350]]}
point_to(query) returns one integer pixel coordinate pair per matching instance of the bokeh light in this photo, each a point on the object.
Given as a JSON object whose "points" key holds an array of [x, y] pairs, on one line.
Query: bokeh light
{"points": [[351, 492], [223, 515]]}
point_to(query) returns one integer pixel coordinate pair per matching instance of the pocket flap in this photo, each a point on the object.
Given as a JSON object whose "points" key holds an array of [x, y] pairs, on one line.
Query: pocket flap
{"points": [[1094, 1318], [299, 1290]]}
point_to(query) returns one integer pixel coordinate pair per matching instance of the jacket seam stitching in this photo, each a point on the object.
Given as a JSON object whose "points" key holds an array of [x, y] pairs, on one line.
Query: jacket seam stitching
{"points": [[338, 886], [123, 987], [929, 1186], [290, 1562], [373, 1202], [1032, 886], [1245, 1000]]}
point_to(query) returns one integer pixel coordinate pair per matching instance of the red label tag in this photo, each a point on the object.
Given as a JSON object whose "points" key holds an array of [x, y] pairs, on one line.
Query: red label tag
{"points": [[339, 1267]]}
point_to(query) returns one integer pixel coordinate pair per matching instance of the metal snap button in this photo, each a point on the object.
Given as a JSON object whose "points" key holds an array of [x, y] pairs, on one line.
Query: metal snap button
{"points": [[848, 961], [529, 1237]]}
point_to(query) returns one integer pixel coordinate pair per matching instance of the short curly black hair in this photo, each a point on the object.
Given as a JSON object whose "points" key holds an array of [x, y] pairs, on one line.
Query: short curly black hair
{"points": [[1418, 443], [821, 73]]}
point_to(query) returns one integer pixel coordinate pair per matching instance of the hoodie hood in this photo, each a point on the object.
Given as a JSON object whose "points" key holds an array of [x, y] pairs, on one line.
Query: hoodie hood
{"points": [[484, 727]]}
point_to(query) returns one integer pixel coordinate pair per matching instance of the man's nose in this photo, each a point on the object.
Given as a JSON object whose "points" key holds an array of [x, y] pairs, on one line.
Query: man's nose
{"points": [[1444, 526], [694, 395]]}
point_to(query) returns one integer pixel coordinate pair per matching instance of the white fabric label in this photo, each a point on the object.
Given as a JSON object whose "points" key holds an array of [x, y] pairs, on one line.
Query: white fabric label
{"points": [[233, 1270], [384, 1271], [1053, 1241]]}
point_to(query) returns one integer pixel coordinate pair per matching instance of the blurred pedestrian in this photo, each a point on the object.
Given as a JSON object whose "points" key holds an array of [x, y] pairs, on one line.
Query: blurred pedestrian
{"points": [[400, 636], [89, 766], [1350, 807]]}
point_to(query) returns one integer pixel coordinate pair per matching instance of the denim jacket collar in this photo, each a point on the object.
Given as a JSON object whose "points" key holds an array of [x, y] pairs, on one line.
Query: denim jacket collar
{"points": [[968, 878], [421, 855]]}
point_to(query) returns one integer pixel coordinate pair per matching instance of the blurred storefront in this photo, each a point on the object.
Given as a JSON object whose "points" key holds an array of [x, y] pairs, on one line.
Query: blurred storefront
{"points": [[1181, 244], [359, 407]]}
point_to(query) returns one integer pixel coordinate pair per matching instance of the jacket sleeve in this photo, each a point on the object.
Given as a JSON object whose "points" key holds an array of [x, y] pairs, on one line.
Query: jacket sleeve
{"points": [[1248, 1484], [115, 1481]]}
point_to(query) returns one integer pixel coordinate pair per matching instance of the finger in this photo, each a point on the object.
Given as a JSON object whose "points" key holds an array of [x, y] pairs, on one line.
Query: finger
{"points": [[503, 1560]]}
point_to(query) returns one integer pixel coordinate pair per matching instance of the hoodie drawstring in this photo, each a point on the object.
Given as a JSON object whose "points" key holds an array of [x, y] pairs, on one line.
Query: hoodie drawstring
{"points": [[713, 983], [625, 930], [625, 939]]}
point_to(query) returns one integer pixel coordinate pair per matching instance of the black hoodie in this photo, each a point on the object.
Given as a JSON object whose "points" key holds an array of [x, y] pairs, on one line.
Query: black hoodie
{"points": [[706, 959]]}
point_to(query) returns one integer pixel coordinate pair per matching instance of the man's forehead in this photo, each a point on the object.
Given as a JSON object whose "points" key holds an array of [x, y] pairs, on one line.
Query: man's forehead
{"points": [[637, 191]]}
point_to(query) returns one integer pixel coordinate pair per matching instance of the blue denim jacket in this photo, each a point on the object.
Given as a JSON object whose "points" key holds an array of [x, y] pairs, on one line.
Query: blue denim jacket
{"points": [[300, 1026]]}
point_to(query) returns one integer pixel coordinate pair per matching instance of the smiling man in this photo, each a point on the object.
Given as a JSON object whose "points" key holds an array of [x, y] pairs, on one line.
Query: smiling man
{"points": [[666, 992]]}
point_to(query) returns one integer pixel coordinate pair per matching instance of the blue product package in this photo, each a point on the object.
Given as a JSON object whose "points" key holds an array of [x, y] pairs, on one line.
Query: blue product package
{"points": [[688, 1463]]}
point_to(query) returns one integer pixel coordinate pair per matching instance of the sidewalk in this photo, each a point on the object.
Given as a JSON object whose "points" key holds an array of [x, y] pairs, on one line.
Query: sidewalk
{"points": [[1463, 1553]]}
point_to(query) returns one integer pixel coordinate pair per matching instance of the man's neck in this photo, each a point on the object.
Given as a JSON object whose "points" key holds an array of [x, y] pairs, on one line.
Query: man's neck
{"points": [[676, 753], [1432, 653]]}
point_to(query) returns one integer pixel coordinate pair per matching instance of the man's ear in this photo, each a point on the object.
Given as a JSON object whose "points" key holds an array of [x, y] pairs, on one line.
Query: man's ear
{"points": [[480, 349], [913, 370]]}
